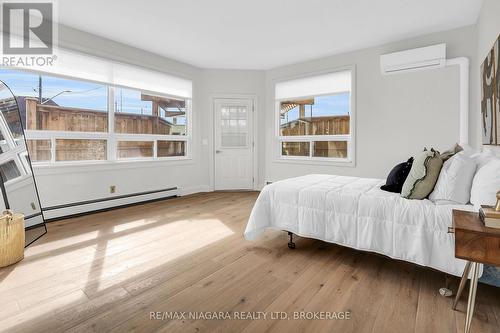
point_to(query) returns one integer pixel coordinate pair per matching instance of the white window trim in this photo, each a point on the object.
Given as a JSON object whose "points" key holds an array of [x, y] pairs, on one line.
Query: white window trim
{"points": [[351, 138], [113, 138], [14, 153]]}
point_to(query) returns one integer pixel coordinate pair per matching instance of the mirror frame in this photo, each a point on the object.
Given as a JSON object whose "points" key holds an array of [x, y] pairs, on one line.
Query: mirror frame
{"points": [[32, 173]]}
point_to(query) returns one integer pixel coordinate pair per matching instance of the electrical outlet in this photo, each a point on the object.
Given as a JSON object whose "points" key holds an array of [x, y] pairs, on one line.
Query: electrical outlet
{"points": [[112, 189]]}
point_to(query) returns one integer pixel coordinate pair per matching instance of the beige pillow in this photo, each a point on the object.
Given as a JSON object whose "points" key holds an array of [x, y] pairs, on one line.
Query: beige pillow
{"points": [[447, 154], [423, 175]]}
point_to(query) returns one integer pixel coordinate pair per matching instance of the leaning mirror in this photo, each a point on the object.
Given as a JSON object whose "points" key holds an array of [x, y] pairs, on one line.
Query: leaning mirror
{"points": [[19, 191]]}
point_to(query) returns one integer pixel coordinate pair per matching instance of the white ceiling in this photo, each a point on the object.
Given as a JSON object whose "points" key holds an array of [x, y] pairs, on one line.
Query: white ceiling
{"points": [[262, 34]]}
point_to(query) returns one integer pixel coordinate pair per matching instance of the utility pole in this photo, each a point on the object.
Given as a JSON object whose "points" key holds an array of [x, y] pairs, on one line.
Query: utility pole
{"points": [[40, 89]]}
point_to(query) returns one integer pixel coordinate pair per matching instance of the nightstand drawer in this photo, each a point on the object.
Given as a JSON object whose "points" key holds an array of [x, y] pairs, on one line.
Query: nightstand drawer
{"points": [[477, 247]]}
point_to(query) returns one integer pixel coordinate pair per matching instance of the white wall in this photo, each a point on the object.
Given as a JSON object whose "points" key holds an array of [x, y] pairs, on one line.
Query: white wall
{"points": [[396, 116], [488, 30], [60, 185], [217, 83], [22, 199], [488, 27]]}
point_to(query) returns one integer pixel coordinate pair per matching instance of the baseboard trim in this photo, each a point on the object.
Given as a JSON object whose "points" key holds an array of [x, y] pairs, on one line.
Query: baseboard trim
{"points": [[27, 217], [82, 208], [87, 202], [91, 206], [194, 189], [95, 211]]}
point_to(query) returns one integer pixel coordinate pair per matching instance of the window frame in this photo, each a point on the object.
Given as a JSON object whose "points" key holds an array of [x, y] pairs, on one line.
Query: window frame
{"points": [[110, 136], [15, 153], [350, 160]]}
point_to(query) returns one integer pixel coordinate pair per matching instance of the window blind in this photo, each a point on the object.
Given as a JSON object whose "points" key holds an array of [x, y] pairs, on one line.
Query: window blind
{"points": [[81, 66], [330, 83]]}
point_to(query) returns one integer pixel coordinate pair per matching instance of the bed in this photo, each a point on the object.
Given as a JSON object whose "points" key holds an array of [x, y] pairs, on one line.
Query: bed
{"points": [[356, 213]]}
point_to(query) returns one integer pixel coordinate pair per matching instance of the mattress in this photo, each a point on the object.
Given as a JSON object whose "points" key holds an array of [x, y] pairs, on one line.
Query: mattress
{"points": [[354, 212]]}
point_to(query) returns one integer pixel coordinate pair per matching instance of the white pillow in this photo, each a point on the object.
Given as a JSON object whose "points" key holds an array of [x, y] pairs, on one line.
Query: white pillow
{"points": [[486, 184], [455, 180], [482, 158]]}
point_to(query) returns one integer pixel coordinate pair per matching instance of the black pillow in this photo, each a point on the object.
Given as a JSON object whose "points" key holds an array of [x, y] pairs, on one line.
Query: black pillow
{"points": [[397, 177]]}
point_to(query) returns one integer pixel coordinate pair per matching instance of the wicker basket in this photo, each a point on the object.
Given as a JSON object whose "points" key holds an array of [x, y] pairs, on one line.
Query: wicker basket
{"points": [[11, 238]]}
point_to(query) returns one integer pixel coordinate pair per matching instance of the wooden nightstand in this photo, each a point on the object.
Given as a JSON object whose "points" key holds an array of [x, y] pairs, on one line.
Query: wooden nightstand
{"points": [[478, 245]]}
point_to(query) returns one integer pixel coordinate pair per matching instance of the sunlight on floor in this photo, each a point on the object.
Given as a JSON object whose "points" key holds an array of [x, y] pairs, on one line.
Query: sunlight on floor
{"points": [[187, 236], [104, 258], [133, 224], [45, 245]]}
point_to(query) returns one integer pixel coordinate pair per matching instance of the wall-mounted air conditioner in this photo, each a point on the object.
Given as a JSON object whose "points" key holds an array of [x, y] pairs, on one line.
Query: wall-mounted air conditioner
{"points": [[428, 57]]}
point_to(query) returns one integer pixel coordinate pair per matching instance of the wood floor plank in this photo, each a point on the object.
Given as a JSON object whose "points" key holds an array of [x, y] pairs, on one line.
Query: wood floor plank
{"points": [[399, 303], [107, 272], [434, 312]]}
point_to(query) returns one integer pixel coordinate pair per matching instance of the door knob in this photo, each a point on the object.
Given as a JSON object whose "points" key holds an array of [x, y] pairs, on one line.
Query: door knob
{"points": [[218, 151]]}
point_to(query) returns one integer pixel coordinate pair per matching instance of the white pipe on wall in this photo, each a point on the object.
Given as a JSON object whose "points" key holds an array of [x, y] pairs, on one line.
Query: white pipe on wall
{"points": [[463, 64]]}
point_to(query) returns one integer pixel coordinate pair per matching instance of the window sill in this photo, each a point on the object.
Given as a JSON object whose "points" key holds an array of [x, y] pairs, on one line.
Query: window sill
{"points": [[95, 166], [320, 161]]}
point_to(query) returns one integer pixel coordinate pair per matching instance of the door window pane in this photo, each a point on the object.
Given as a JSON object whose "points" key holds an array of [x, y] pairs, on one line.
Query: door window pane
{"points": [[336, 149], [234, 126], [80, 150], [171, 148], [321, 115], [134, 149], [39, 150], [139, 113], [295, 148]]}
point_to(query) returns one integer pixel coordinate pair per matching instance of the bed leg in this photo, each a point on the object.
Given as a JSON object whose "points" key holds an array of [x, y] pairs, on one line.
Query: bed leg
{"points": [[291, 244]]}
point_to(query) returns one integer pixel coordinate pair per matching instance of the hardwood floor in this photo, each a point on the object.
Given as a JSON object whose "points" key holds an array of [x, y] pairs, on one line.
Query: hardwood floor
{"points": [[107, 272]]}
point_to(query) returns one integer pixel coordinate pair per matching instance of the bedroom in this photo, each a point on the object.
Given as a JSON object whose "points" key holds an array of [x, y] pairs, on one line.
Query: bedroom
{"points": [[167, 139]]}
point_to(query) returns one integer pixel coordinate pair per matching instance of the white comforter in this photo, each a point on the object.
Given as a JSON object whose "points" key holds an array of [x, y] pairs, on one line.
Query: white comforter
{"points": [[354, 212]]}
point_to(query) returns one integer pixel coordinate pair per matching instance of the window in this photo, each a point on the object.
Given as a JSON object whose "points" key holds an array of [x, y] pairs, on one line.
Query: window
{"points": [[152, 117], [13, 165], [69, 106], [70, 120], [135, 149], [315, 118], [3, 144], [140, 113], [11, 119], [234, 126], [9, 171], [171, 148], [80, 150], [40, 150], [295, 148]]}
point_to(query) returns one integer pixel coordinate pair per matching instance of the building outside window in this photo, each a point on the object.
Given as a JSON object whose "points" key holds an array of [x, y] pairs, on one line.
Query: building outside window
{"points": [[71, 120], [315, 119]]}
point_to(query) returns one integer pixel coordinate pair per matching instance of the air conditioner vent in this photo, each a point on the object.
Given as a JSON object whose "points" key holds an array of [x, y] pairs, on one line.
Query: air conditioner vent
{"points": [[413, 60]]}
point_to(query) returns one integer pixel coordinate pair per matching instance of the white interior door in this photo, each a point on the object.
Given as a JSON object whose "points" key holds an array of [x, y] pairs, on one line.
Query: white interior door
{"points": [[233, 144]]}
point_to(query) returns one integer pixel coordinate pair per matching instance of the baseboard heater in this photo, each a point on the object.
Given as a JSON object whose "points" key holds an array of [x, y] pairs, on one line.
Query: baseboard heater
{"points": [[33, 221], [59, 212]]}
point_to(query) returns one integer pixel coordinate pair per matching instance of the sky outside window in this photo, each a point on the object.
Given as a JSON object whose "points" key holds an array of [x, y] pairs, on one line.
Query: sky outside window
{"points": [[75, 94], [333, 105]]}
